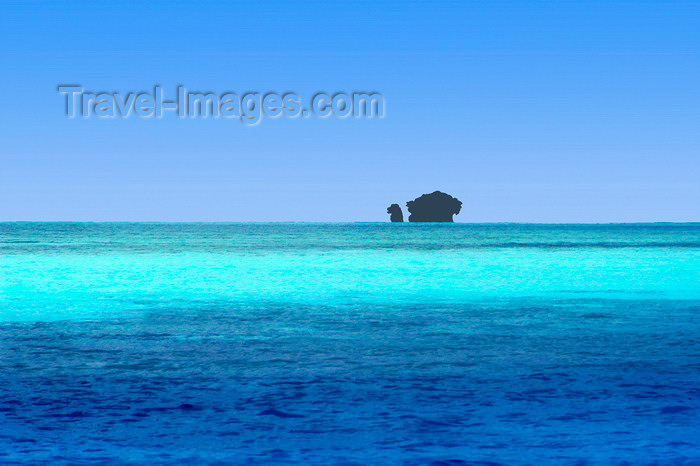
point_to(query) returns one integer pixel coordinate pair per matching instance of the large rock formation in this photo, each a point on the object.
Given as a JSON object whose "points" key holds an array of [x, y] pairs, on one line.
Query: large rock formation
{"points": [[433, 207], [396, 213]]}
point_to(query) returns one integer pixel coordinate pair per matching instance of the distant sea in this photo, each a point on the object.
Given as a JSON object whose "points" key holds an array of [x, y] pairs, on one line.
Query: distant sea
{"points": [[359, 343]]}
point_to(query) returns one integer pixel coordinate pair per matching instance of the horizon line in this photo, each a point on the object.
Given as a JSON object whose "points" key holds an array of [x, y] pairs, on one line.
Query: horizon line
{"points": [[165, 222]]}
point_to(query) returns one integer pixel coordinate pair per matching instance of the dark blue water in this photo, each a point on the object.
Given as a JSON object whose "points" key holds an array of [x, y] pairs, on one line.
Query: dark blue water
{"points": [[349, 344]]}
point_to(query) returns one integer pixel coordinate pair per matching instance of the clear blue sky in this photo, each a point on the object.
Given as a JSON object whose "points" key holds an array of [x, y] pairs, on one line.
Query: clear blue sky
{"points": [[539, 111]]}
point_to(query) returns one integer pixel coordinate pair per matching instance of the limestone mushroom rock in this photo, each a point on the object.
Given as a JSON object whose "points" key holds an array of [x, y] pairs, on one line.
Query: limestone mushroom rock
{"points": [[396, 213], [434, 207]]}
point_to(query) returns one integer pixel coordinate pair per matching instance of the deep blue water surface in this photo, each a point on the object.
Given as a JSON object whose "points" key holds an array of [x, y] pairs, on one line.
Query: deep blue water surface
{"points": [[349, 343]]}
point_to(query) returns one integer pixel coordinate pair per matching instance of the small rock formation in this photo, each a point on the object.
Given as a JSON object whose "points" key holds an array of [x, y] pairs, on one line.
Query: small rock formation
{"points": [[434, 207], [396, 213]]}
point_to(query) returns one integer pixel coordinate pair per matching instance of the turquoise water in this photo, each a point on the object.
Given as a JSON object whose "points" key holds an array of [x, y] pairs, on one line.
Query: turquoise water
{"points": [[349, 343]]}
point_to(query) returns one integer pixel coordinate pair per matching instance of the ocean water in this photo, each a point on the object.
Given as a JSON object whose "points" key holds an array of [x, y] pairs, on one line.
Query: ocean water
{"points": [[349, 343]]}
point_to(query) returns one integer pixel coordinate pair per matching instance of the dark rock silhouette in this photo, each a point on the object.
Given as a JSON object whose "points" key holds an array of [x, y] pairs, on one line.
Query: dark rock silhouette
{"points": [[396, 213], [434, 207]]}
